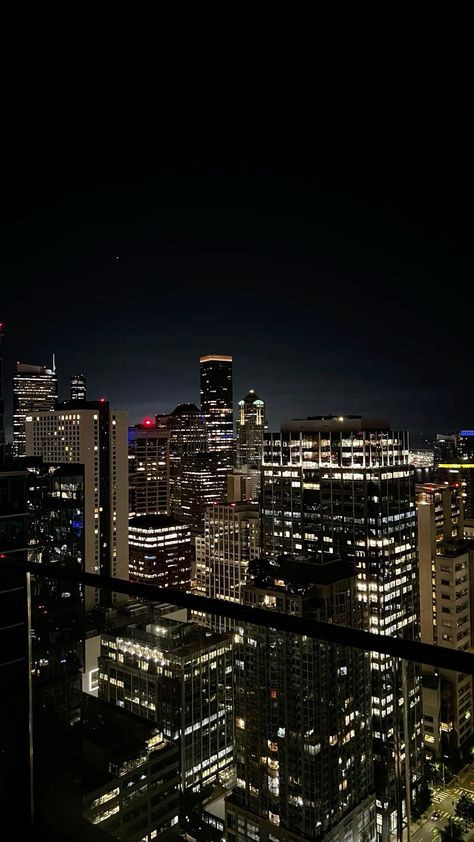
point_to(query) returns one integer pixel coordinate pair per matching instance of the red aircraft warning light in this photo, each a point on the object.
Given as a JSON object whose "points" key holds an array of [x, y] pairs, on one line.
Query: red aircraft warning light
{"points": [[147, 422]]}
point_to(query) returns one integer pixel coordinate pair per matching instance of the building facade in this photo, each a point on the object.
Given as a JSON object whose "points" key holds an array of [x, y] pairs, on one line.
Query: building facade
{"points": [[232, 541], [188, 436], [250, 430], [160, 551], [95, 436], [203, 483], [129, 773], [446, 570], [343, 486], [35, 389], [304, 756], [179, 676], [217, 401], [149, 469], [78, 387]]}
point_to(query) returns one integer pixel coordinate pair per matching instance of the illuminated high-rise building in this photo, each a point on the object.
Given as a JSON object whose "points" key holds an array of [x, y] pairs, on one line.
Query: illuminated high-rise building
{"points": [[187, 675], [302, 712], [217, 401], [231, 541], [446, 571], [160, 551], [96, 436], [78, 387], [188, 435], [342, 486], [149, 468], [203, 482], [250, 429], [35, 389]]}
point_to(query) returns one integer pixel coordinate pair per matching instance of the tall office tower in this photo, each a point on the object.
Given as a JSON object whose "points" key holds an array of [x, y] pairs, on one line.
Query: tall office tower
{"points": [[188, 435], [2, 402], [96, 436], [160, 551], [203, 482], [149, 469], [304, 755], [446, 570], [216, 401], [35, 389], [250, 429], [343, 486], [232, 540], [180, 676], [78, 387], [445, 448]]}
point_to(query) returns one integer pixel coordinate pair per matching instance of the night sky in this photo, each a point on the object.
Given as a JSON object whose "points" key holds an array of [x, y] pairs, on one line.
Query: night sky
{"points": [[297, 196]]}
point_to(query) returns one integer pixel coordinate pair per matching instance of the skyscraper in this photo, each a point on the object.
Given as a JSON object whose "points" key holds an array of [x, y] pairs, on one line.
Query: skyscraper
{"points": [[35, 389], [304, 758], [160, 551], [96, 436], [149, 468], [342, 486], [180, 676], [231, 541], [78, 387], [188, 435], [250, 429], [217, 402], [203, 482]]}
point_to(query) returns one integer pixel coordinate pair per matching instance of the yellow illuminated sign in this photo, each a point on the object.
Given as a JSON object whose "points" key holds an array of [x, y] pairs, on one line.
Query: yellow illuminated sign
{"points": [[461, 465]]}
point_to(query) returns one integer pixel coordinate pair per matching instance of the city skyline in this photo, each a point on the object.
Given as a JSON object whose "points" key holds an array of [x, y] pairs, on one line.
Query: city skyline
{"points": [[305, 210], [146, 408]]}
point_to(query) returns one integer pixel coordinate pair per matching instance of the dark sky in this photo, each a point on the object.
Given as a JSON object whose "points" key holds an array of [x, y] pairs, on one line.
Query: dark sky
{"points": [[293, 194]]}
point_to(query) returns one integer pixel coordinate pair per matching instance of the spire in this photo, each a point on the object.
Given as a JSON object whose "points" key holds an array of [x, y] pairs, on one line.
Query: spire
{"points": [[54, 363]]}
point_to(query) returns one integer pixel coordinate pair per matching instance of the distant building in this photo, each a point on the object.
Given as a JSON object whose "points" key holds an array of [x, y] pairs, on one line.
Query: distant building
{"points": [[203, 482], [217, 401], [302, 713], [250, 429], [232, 540], [129, 773], [95, 436], [180, 676], [243, 484], [35, 389], [446, 570], [149, 469], [460, 468], [445, 448], [160, 551], [188, 436], [78, 387]]}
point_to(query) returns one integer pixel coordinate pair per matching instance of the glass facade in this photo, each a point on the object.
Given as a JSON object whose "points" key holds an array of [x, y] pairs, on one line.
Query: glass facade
{"points": [[35, 389], [217, 401], [343, 487]]}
